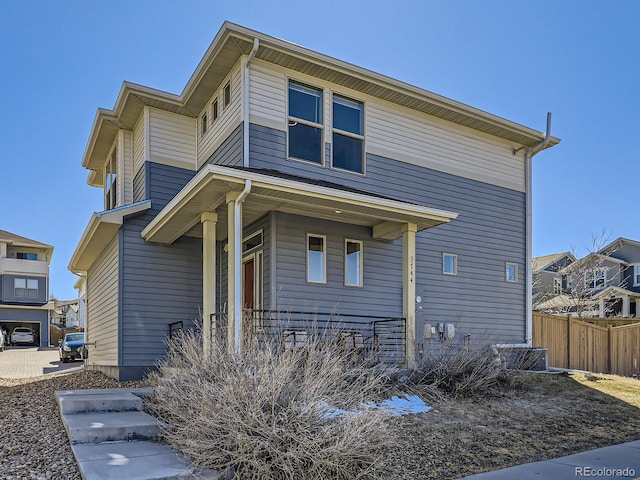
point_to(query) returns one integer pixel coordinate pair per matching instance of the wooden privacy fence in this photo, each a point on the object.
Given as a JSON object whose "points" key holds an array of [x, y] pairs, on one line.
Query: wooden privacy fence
{"points": [[573, 343]]}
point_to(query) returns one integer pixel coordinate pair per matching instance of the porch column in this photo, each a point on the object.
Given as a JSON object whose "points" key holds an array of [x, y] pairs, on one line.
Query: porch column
{"points": [[626, 304], [601, 313], [209, 221], [637, 307], [234, 272], [409, 290]]}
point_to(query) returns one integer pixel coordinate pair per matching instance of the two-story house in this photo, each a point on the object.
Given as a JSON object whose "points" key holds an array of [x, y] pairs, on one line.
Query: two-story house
{"points": [[281, 181], [24, 285]]}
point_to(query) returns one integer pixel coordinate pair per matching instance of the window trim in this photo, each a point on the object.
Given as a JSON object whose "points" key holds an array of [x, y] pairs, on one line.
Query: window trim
{"points": [[249, 237], [345, 133], [361, 266], [587, 282], [557, 282], [204, 124], [506, 272], [321, 126], [26, 288], [227, 98], [215, 112], [455, 264], [324, 258], [636, 274]]}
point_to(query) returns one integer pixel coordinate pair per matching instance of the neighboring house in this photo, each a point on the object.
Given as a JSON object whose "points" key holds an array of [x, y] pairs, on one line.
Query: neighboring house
{"points": [[24, 285], [604, 283], [284, 180], [547, 280], [81, 287], [65, 313]]}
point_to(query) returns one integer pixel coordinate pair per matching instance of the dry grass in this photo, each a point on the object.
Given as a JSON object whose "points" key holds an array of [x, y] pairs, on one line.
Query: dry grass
{"points": [[626, 389], [265, 414]]}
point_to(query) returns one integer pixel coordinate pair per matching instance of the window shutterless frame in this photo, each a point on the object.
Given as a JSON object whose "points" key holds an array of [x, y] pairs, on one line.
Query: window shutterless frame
{"points": [[305, 123], [353, 263], [347, 146], [636, 278], [511, 272], [449, 264], [316, 253], [227, 95]]}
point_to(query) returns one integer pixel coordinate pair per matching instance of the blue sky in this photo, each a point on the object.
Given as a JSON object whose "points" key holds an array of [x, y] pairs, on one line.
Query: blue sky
{"points": [[61, 60]]}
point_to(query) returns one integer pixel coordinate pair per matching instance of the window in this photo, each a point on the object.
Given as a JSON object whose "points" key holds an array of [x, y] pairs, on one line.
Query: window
{"points": [[252, 241], [316, 258], [214, 110], [511, 272], [26, 288], [204, 124], [227, 95], [636, 278], [26, 256], [305, 123], [353, 262], [348, 131], [111, 182], [595, 278], [557, 286], [449, 264]]}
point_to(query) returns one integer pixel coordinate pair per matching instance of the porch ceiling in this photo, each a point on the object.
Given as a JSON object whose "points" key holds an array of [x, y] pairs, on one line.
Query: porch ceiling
{"points": [[206, 192]]}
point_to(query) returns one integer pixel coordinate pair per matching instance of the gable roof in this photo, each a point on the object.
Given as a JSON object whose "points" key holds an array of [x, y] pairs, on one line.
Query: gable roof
{"points": [[540, 263], [17, 240], [234, 41], [617, 244]]}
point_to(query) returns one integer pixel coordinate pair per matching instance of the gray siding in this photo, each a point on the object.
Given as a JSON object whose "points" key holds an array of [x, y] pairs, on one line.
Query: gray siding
{"points": [[628, 253], [102, 306], [23, 316], [160, 284], [230, 151], [489, 231], [8, 293], [140, 184]]}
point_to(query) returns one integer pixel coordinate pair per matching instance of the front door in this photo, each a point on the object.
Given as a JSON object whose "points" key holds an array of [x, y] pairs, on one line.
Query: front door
{"points": [[248, 296]]}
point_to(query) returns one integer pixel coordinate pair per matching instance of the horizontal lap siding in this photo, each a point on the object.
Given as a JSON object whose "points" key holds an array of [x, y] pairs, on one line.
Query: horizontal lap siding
{"points": [[230, 151], [489, 231], [381, 293], [102, 306], [161, 284], [140, 185], [139, 153], [172, 139]]}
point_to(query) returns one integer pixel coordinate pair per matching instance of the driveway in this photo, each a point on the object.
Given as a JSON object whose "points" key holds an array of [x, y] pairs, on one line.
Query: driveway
{"points": [[25, 362]]}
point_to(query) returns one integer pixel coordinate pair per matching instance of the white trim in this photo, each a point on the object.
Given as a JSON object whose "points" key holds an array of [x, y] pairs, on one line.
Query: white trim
{"points": [[455, 264], [324, 257], [308, 123], [361, 266], [345, 133], [636, 275]]}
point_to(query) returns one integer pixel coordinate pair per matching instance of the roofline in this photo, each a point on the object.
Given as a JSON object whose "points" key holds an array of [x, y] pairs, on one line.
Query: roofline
{"points": [[558, 257], [229, 29]]}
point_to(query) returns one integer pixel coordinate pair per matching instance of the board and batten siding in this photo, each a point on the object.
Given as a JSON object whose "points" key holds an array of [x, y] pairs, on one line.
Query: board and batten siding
{"points": [[172, 139], [395, 132], [102, 306], [228, 118], [489, 231]]}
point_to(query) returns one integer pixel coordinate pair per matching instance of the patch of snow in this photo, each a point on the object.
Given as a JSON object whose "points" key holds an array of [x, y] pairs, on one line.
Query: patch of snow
{"points": [[395, 406]]}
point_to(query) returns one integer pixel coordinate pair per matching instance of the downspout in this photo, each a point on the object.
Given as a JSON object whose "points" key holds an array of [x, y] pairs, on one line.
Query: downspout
{"points": [[529, 153], [237, 301], [246, 110]]}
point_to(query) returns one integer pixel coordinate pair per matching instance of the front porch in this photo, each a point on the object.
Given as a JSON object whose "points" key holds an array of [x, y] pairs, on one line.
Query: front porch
{"points": [[619, 302], [218, 205]]}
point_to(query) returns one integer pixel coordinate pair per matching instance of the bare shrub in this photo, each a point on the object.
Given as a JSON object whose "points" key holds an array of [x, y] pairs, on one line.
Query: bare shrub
{"points": [[266, 414], [463, 371]]}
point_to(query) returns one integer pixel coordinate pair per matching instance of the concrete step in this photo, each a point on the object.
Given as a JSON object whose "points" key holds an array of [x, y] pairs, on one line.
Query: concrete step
{"points": [[110, 426], [134, 461], [109, 402]]}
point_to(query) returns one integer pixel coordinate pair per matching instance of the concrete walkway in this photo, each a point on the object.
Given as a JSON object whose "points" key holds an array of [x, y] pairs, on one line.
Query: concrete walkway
{"points": [[26, 362], [615, 462]]}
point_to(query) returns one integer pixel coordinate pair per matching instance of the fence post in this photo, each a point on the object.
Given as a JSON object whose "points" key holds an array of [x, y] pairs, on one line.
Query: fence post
{"points": [[568, 341], [610, 349]]}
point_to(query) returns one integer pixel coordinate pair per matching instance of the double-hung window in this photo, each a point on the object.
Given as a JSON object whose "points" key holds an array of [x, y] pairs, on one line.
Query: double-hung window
{"points": [[353, 262], [348, 134], [636, 277], [316, 258], [596, 278], [305, 122], [25, 287], [557, 286]]}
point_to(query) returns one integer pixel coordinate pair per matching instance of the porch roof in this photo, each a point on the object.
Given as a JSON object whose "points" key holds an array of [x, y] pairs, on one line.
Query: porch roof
{"points": [[613, 291], [207, 191]]}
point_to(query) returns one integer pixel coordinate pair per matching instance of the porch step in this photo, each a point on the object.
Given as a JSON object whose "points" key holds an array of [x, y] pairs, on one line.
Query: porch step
{"points": [[109, 402], [110, 426], [112, 438]]}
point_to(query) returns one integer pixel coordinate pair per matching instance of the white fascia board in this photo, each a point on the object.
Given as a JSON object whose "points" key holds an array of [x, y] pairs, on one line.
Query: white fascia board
{"points": [[613, 290]]}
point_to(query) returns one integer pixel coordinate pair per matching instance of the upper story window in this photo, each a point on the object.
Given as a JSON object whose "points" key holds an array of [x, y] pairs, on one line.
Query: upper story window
{"points": [[348, 134], [25, 287], [511, 272], [111, 182], [636, 277], [449, 264], [305, 122], [26, 256], [214, 110], [596, 278], [227, 95], [204, 124], [557, 286]]}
